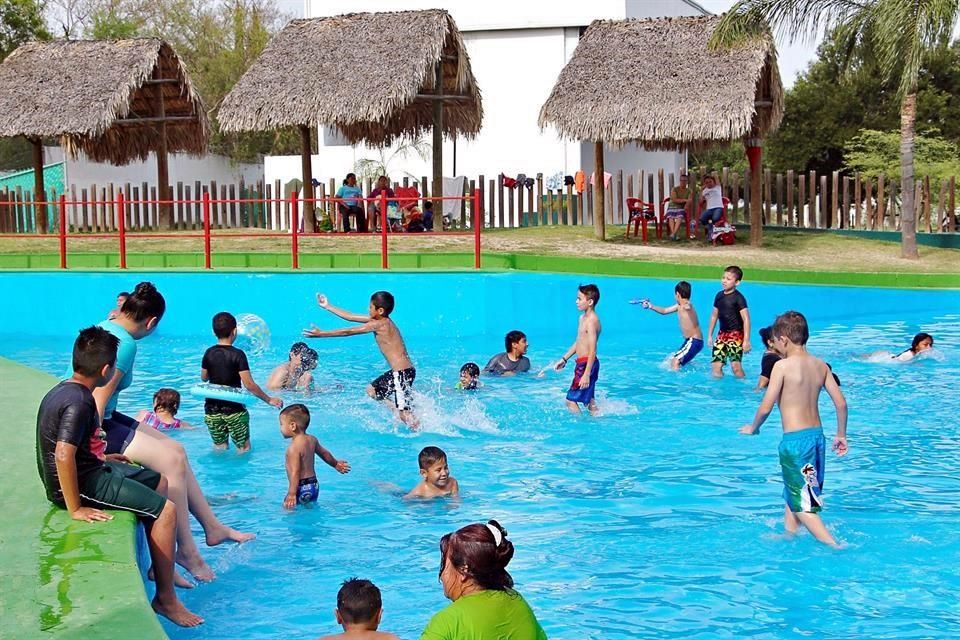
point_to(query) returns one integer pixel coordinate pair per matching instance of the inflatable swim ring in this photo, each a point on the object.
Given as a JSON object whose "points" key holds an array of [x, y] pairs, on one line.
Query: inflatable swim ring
{"points": [[222, 392]]}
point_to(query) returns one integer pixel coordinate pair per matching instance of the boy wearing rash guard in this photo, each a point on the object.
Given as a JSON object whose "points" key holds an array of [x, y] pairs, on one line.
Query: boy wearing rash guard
{"points": [[733, 339], [393, 387], [795, 385], [513, 360], [78, 476]]}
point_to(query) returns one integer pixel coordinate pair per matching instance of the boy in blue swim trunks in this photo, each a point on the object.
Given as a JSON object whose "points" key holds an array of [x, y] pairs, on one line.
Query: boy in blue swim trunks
{"points": [[303, 485], [795, 385], [689, 324], [583, 388]]}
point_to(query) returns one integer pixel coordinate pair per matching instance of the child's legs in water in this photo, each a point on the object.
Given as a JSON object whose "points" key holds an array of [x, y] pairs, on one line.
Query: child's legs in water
{"points": [[737, 368], [716, 368], [573, 407], [790, 521], [815, 526]]}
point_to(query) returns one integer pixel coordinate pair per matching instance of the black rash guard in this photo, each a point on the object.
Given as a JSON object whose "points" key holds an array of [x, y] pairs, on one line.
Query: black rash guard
{"points": [[728, 307], [68, 413], [224, 363]]}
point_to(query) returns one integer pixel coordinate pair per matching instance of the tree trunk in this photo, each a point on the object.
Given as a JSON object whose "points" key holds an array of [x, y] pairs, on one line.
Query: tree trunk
{"points": [[306, 169], [599, 211], [908, 214], [39, 192]]}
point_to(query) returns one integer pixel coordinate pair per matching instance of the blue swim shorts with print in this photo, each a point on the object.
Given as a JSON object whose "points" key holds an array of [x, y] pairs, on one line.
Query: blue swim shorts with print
{"points": [[803, 456]]}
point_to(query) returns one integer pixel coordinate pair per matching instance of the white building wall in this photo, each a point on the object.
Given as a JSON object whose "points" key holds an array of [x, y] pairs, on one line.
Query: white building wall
{"points": [[82, 172]]}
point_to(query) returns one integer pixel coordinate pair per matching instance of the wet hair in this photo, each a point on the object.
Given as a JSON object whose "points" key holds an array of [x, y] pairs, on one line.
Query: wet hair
{"points": [[472, 368], [298, 413], [917, 339], [684, 289], [792, 326], [473, 550], [383, 300], [308, 359], [349, 175], [94, 348], [736, 271], [144, 303], [123, 294], [223, 324], [430, 456], [766, 336], [167, 399], [591, 291], [358, 601], [298, 348], [512, 338]]}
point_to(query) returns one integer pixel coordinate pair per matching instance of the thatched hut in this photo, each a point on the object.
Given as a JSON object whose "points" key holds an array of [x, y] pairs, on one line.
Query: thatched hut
{"points": [[656, 83], [113, 100], [373, 76]]}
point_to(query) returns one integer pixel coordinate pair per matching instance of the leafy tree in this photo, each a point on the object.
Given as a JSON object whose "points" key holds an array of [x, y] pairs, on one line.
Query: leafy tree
{"points": [[899, 35], [874, 152]]}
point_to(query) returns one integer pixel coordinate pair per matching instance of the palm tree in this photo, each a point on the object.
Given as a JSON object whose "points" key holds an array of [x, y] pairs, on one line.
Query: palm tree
{"points": [[898, 33]]}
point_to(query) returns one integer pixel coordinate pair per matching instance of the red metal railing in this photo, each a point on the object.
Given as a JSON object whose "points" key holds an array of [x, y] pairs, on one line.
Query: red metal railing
{"points": [[120, 206]]}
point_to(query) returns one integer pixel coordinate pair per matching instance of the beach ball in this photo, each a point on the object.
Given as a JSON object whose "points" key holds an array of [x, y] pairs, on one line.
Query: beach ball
{"points": [[253, 334]]}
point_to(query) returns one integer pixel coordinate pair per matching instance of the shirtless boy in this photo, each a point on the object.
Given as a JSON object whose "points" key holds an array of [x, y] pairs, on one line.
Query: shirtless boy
{"points": [[583, 388], [295, 373], [689, 324], [435, 478], [359, 611], [394, 387], [795, 385], [301, 477]]}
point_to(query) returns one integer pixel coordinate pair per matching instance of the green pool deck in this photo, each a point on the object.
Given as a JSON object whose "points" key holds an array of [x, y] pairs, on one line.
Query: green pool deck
{"points": [[263, 261], [60, 578]]}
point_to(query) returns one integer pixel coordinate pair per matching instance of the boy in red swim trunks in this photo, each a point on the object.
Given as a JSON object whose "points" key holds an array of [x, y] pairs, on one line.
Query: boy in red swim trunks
{"points": [[583, 388], [733, 339]]}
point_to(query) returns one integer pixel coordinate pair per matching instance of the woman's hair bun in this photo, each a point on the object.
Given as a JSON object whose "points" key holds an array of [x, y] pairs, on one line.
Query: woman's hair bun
{"points": [[144, 289], [494, 523]]}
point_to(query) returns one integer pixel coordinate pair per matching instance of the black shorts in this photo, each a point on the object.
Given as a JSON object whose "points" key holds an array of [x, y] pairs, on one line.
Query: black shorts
{"points": [[119, 428], [116, 485], [397, 386]]}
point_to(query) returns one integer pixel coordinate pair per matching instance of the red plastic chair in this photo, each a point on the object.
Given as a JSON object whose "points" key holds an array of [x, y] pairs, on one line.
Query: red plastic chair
{"points": [[722, 221], [640, 214]]}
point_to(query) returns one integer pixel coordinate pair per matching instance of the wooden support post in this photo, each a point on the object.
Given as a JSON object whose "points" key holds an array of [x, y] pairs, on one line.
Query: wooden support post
{"points": [[437, 189], [940, 204], [833, 220], [823, 216], [845, 203], [812, 200], [791, 180], [857, 202], [164, 210], [599, 223], [871, 219], [779, 199], [801, 202], [39, 198], [881, 203], [306, 167], [767, 196]]}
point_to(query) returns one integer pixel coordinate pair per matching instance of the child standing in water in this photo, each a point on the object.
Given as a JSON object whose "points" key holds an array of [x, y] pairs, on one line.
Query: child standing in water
{"points": [[585, 374], [770, 357], [795, 385], [302, 479], [689, 324], [733, 339], [394, 387]]}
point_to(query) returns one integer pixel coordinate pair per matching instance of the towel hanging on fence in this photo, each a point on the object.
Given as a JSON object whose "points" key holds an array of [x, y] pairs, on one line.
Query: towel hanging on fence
{"points": [[453, 187], [579, 181], [606, 179], [555, 181]]}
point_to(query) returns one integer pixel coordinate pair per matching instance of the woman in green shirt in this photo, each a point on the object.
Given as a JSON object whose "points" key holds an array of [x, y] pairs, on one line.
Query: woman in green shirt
{"points": [[473, 572]]}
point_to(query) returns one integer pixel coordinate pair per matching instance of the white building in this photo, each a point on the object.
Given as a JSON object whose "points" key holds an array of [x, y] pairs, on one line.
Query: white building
{"points": [[517, 50]]}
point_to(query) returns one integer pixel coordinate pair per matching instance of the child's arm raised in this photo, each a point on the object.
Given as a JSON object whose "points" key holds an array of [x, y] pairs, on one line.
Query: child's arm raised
{"points": [[833, 390], [250, 385], [340, 313], [66, 455], [340, 465], [766, 405], [661, 310], [369, 326], [293, 476]]}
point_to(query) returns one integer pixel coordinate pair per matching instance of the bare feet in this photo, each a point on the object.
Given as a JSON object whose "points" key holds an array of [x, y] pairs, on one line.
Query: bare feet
{"points": [[223, 533], [197, 567], [176, 612], [178, 580]]}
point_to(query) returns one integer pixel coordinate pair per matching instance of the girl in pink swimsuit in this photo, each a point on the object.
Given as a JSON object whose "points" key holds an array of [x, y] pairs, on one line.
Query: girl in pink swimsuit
{"points": [[166, 403]]}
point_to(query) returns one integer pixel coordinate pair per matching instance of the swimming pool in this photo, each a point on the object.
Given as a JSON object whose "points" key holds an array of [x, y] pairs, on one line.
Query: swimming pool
{"points": [[656, 520]]}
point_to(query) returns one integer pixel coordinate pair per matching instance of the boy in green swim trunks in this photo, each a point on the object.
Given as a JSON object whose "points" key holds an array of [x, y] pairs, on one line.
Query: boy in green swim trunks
{"points": [[733, 339], [79, 477], [224, 364], [795, 385]]}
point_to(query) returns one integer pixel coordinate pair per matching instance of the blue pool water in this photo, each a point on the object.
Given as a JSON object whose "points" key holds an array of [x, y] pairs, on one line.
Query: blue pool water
{"points": [[657, 520]]}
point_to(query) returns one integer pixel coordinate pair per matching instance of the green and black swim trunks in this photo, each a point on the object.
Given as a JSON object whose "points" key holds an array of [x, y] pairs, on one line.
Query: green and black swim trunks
{"points": [[116, 485], [236, 426]]}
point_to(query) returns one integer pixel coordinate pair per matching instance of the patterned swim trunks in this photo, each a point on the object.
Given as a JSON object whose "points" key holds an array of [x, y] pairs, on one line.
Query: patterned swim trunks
{"points": [[729, 346]]}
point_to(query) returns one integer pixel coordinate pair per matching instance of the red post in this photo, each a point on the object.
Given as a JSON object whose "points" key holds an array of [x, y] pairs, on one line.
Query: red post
{"points": [[294, 231], [63, 232], [383, 229], [477, 224], [206, 230], [122, 228]]}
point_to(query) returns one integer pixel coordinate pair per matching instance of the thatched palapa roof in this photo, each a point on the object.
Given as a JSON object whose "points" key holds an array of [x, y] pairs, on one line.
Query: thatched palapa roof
{"points": [[654, 82], [95, 94], [361, 73]]}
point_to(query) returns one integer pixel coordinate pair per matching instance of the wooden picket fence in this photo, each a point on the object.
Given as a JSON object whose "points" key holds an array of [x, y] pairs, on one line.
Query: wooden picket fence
{"points": [[789, 199]]}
